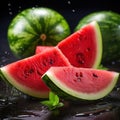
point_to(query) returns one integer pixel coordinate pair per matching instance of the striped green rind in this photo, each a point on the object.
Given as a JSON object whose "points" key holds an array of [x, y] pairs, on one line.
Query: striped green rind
{"points": [[65, 92], [109, 23], [99, 44], [36, 26], [56, 88]]}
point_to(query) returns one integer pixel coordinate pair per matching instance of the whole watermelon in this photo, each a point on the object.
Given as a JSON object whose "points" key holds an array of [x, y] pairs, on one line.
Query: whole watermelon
{"points": [[109, 23], [36, 26]]}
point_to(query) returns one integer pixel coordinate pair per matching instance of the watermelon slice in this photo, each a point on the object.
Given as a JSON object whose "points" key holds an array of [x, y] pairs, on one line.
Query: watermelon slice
{"points": [[84, 47], [40, 49], [80, 83], [26, 74]]}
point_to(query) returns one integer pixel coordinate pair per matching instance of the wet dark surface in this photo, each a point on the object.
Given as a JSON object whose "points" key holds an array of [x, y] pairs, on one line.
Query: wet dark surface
{"points": [[26, 108], [17, 106]]}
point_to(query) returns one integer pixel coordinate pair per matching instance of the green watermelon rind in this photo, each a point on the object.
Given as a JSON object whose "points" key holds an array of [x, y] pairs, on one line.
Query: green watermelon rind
{"points": [[66, 93], [26, 90], [98, 43]]}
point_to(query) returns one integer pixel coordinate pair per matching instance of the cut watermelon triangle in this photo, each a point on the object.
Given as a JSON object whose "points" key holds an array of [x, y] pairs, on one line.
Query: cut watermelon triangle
{"points": [[80, 83], [84, 47], [26, 74]]}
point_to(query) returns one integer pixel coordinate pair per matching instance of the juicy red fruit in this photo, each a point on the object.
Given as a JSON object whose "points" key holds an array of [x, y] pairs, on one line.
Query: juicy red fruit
{"points": [[81, 47], [26, 74]]}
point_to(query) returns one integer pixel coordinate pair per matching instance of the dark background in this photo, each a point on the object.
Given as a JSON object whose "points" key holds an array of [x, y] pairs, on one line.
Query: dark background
{"points": [[73, 11]]}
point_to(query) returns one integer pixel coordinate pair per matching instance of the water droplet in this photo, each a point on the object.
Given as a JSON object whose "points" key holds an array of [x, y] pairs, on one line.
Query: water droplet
{"points": [[80, 114], [90, 114], [33, 8], [9, 4], [9, 8], [69, 2], [100, 113], [10, 13], [118, 89], [6, 52], [113, 62], [36, 5], [19, 7], [73, 10]]}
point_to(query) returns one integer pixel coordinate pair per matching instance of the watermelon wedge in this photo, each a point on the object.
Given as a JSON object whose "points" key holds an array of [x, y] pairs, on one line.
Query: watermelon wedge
{"points": [[84, 47], [26, 74], [80, 83]]}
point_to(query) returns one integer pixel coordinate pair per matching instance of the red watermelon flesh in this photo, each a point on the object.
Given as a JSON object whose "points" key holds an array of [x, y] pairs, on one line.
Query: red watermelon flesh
{"points": [[40, 49], [84, 47], [26, 74], [83, 83]]}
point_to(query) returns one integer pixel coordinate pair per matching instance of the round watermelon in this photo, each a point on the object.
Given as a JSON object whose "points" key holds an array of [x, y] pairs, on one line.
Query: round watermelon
{"points": [[109, 23], [80, 83], [36, 26]]}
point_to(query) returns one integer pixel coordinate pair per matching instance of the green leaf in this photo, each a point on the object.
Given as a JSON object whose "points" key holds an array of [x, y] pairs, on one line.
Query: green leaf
{"points": [[54, 99], [47, 103], [53, 102]]}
